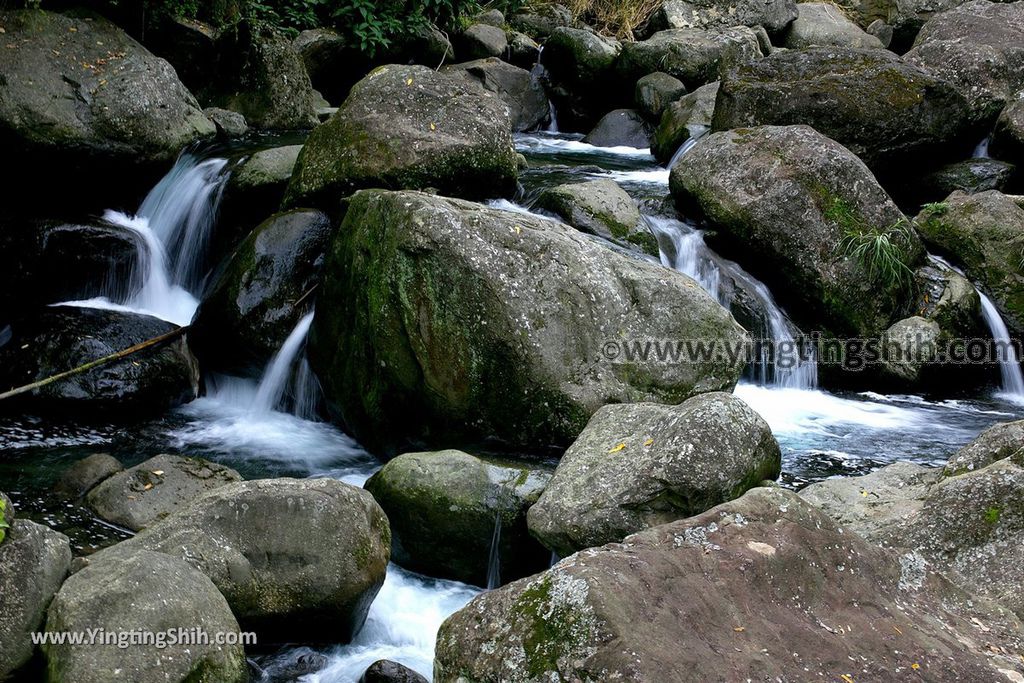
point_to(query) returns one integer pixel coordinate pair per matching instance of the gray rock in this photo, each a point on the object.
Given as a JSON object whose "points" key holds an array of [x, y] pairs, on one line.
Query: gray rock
{"points": [[580, 66], [785, 198], [542, 21], [978, 47], [886, 111], [881, 30], [297, 560], [408, 127], [59, 338], [499, 299], [621, 128], [998, 442], [386, 671], [261, 293], [230, 124], [492, 17], [156, 488], [1008, 136], [259, 74], [984, 234], [908, 348], [34, 560], [481, 41], [523, 51], [147, 592], [774, 15], [970, 176], [694, 56], [331, 62], [80, 478], [654, 92], [762, 588], [639, 465], [948, 298], [517, 88], [600, 207], [690, 117], [444, 508], [823, 23]]}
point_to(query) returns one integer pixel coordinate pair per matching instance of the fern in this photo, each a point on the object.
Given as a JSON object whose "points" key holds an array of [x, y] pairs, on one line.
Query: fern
{"points": [[882, 253]]}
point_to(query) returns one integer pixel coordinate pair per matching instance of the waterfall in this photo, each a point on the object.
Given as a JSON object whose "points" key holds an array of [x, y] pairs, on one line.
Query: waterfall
{"points": [[696, 132], [494, 560], [783, 360], [279, 371], [1009, 363], [174, 224], [981, 151], [539, 73]]}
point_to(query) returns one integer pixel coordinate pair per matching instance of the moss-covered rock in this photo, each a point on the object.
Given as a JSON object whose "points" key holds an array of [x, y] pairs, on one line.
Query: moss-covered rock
{"points": [[773, 15], [639, 465], [602, 208], [451, 511], [689, 117], [1008, 136], [823, 23], [984, 234], [473, 322], [970, 176], [784, 199], [888, 112], [654, 92], [408, 127], [694, 56], [521, 92], [621, 128]]}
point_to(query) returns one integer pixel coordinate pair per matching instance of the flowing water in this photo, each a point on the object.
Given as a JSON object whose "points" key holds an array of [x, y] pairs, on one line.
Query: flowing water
{"points": [[271, 427]]}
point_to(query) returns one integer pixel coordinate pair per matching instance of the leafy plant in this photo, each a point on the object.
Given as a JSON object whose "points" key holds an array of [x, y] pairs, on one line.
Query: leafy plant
{"points": [[935, 208], [4, 526], [882, 253]]}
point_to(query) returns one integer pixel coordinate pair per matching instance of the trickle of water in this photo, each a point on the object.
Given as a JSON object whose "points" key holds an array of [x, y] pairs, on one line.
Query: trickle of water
{"points": [[981, 151], [1009, 363], [494, 560], [279, 371], [696, 133]]}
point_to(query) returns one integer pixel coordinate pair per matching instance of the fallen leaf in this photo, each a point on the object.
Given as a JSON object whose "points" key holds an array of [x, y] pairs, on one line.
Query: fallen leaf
{"points": [[147, 487], [739, 629], [158, 473], [648, 442], [864, 494], [846, 678], [617, 448], [433, 127], [408, 81], [897, 629], [915, 666]]}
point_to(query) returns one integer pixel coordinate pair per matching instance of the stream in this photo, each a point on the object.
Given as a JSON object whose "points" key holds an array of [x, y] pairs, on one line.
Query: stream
{"points": [[271, 427]]}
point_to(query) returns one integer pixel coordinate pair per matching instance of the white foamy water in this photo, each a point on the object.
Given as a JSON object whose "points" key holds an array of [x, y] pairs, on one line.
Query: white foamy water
{"points": [[543, 144]]}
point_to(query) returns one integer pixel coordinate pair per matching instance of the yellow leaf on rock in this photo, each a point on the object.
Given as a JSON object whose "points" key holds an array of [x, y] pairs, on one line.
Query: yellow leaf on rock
{"points": [[158, 472], [617, 448], [915, 666], [147, 487], [648, 442], [408, 81], [739, 629], [846, 677]]}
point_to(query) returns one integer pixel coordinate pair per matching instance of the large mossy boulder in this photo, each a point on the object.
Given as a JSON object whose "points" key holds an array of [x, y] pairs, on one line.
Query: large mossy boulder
{"points": [[639, 465], [688, 117], [765, 587], [408, 127], [473, 322], [773, 15], [156, 488], [694, 56], [580, 66], [456, 516], [888, 112], [34, 560], [61, 338], [261, 293], [297, 560], [1008, 136], [784, 199], [150, 594], [521, 92], [823, 23], [984, 234], [84, 106], [655, 92], [600, 207], [259, 74], [621, 128], [977, 47]]}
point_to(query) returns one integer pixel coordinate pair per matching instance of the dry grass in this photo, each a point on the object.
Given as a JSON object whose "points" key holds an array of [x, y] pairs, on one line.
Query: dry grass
{"points": [[619, 18]]}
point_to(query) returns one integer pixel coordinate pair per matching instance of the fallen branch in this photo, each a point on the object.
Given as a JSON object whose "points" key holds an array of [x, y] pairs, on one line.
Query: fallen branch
{"points": [[149, 343]]}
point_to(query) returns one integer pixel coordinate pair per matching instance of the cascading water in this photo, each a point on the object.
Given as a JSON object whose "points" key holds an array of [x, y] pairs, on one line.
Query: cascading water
{"points": [[1009, 362], [981, 151], [281, 368], [494, 560], [696, 133], [539, 74]]}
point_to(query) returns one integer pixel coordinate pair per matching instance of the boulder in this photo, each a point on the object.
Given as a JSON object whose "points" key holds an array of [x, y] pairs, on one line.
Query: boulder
{"points": [[60, 338], [230, 124], [83, 476], [998, 442], [689, 117], [786, 201], [156, 488], [261, 293], [886, 111], [331, 63], [970, 176], [654, 92], [984, 234], [84, 106], [148, 593], [259, 74], [298, 560], [189, 45], [452, 513], [762, 588], [386, 671], [1008, 136], [481, 41], [948, 298], [640, 465], [541, 21], [978, 47], [881, 30], [600, 207], [491, 17], [909, 347], [694, 56], [523, 51], [621, 128], [408, 127], [823, 23], [34, 560], [517, 88], [580, 66], [773, 15], [429, 304]]}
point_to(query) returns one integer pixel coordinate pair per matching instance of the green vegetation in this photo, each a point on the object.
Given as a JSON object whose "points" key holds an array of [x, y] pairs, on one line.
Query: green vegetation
{"points": [[881, 252], [992, 515], [935, 208], [4, 526]]}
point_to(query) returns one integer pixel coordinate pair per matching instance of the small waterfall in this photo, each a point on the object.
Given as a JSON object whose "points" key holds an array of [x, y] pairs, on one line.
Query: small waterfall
{"points": [[307, 392], [696, 133], [981, 151], [1009, 363], [279, 371], [539, 73], [494, 560]]}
